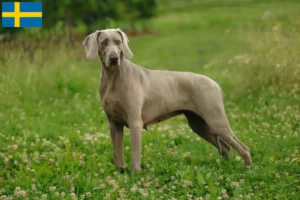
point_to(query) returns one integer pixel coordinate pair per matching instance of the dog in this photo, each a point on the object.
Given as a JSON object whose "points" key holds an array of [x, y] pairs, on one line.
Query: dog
{"points": [[136, 97]]}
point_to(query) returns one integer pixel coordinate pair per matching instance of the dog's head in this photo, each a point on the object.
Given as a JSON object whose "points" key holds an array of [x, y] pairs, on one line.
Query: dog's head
{"points": [[109, 44]]}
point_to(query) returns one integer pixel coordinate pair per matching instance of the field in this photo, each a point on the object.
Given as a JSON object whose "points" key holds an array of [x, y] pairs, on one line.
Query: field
{"points": [[54, 137]]}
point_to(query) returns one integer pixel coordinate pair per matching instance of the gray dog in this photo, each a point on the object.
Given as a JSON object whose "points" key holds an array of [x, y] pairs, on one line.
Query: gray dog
{"points": [[136, 97]]}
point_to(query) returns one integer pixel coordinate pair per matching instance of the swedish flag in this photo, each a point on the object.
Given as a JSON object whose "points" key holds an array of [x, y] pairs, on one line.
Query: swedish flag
{"points": [[22, 14]]}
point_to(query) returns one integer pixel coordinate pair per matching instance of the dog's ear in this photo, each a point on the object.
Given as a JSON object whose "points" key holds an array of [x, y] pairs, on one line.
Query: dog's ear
{"points": [[126, 50], [90, 44]]}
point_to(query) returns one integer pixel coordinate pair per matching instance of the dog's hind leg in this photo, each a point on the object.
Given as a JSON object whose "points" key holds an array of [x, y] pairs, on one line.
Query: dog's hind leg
{"points": [[211, 108], [217, 121], [199, 126], [229, 137]]}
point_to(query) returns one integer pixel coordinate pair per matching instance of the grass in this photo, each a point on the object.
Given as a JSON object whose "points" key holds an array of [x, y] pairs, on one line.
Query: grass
{"points": [[54, 137]]}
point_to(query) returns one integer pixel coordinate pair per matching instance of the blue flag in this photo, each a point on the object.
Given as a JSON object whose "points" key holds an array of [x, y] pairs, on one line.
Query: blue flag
{"points": [[21, 14]]}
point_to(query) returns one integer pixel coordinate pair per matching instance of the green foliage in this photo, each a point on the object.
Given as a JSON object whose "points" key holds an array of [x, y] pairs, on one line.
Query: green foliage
{"points": [[73, 12]]}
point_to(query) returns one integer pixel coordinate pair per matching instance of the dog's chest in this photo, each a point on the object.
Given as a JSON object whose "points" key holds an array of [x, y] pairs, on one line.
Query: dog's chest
{"points": [[113, 108]]}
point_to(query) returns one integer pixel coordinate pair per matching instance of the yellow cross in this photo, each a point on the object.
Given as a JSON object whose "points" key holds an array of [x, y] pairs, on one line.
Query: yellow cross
{"points": [[17, 14]]}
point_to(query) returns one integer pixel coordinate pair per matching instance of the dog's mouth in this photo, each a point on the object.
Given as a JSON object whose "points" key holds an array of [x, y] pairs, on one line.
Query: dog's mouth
{"points": [[110, 64], [111, 61], [114, 63]]}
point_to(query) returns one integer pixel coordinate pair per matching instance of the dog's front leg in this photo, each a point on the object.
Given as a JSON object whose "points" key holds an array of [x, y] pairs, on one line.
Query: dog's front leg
{"points": [[116, 132], [136, 145]]}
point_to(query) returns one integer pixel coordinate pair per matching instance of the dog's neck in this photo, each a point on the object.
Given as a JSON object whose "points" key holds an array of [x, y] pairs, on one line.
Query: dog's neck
{"points": [[110, 74]]}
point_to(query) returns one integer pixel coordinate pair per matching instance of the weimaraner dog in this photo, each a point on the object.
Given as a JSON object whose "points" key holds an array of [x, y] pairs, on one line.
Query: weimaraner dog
{"points": [[136, 97]]}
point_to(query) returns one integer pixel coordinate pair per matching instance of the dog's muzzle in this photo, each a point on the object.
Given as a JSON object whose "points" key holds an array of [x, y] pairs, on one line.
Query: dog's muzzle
{"points": [[113, 59]]}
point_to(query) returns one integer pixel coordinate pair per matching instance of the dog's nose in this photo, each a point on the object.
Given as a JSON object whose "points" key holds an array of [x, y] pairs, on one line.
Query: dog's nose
{"points": [[113, 59]]}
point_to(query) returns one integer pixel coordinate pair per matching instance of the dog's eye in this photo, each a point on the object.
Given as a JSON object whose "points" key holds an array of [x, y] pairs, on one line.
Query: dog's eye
{"points": [[118, 42], [104, 43]]}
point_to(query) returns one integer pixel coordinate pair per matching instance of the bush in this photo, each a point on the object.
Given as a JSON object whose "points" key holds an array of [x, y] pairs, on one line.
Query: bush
{"points": [[72, 12]]}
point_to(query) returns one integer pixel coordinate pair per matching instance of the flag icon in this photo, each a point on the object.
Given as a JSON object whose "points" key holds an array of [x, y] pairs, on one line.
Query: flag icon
{"points": [[21, 14]]}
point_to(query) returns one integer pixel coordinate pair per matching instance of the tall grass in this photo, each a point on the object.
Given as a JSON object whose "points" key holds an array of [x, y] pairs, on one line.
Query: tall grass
{"points": [[274, 59]]}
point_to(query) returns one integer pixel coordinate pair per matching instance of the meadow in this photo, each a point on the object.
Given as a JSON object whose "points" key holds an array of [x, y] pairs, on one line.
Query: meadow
{"points": [[54, 136]]}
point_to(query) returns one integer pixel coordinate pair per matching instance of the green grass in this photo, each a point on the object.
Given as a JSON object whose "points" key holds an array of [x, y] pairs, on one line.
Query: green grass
{"points": [[54, 137]]}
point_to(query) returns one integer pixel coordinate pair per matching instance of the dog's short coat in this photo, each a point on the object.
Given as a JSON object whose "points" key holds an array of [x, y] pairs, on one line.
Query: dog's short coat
{"points": [[136, 97]]}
